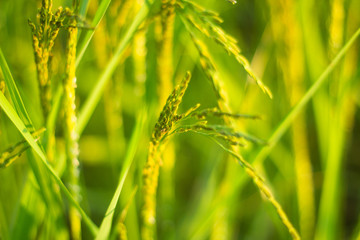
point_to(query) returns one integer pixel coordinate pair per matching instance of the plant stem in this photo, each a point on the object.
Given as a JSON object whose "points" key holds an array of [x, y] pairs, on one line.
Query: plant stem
{"points": [[285, 124]]}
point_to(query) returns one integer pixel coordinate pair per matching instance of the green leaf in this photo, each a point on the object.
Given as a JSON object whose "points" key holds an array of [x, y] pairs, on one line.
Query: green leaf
{"points": [[286, 123], [10, 112], [24, 117], [89, 34], [14, 93], [105, 226]]}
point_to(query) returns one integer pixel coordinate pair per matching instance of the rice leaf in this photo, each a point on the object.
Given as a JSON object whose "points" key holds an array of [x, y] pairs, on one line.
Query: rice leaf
{"points": [[10, 112], [106, 223], [14, 93], [89, 34], [286, 123]]}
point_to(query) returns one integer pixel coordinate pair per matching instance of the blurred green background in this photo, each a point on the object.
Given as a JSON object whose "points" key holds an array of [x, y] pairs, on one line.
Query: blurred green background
{"points": [[313, 170]]}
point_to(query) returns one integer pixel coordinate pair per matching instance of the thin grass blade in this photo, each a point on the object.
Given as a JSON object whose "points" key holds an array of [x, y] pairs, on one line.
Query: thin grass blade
{"points": [[98, 89], [14, 92], [10, 112], [89, 34], [105, 226], [286, 123]]}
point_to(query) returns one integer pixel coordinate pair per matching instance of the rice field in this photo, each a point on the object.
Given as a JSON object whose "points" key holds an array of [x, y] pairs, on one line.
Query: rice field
{"points": [[179, 119]]}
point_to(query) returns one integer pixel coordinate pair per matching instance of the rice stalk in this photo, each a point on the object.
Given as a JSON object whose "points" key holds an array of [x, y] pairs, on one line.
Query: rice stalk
{"points": [[71, 136]]}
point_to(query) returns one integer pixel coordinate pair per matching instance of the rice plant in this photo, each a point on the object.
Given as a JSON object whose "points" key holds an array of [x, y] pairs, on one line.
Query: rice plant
{"points": [[179, 119]]}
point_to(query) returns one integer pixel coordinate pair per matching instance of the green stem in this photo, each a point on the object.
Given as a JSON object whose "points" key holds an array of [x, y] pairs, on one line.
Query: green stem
{"points": [[286, 123]]}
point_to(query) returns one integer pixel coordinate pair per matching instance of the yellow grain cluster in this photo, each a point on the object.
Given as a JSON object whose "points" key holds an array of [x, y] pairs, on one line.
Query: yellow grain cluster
{"points": [[44, 37], [71, 136], [164, 125], [260, 183]]}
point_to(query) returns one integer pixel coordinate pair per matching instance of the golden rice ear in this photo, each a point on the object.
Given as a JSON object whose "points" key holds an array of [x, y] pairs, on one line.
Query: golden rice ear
{"points": [[166, 119], [211, 73], [71, 135], [163, 126], [43, 36]]}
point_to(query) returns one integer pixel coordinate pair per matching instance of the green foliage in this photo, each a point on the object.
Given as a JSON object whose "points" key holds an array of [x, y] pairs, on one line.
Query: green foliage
{"points": [[95, 142]]}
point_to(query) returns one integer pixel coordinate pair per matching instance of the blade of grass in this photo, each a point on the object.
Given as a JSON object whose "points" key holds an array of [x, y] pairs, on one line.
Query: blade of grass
{"points": [[98, 89], [14, 93], [105, 226], [21, 110], [48, 195], [285, 124], [97, 18], [84, 7], [10, 112]]}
